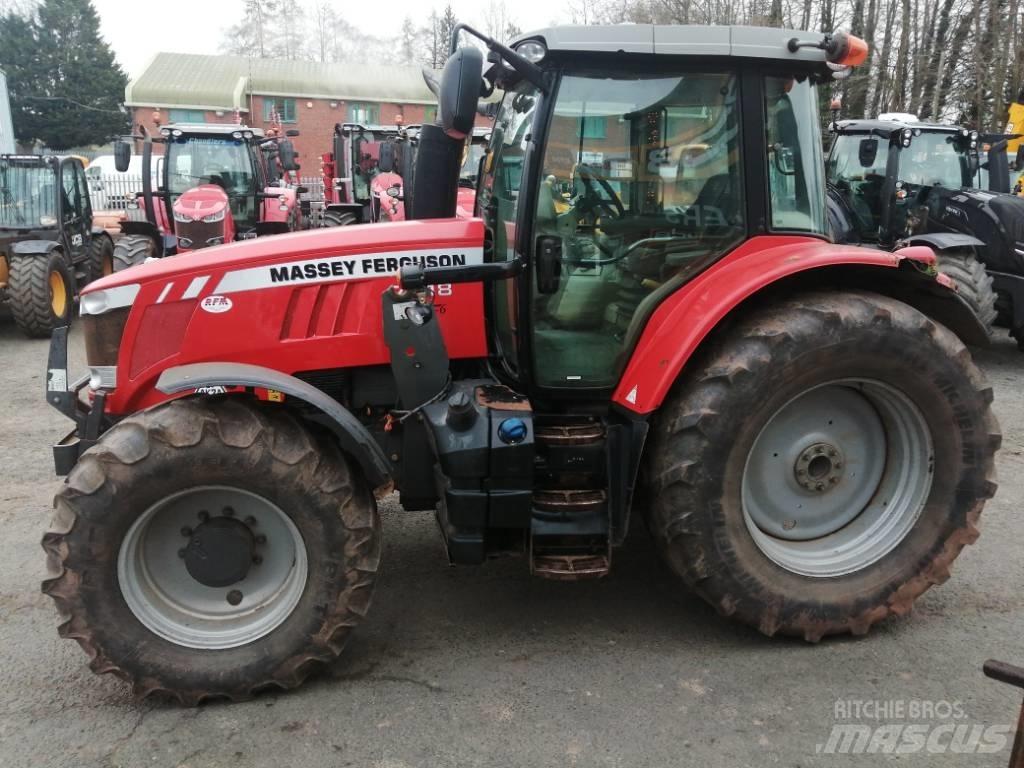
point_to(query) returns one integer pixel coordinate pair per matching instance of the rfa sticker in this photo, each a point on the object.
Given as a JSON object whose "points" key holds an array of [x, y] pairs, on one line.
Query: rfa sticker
{"points": [[216, 304]]}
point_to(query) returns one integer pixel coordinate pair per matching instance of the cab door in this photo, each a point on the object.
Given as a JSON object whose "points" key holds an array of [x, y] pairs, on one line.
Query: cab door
{"points": [[499, 205], [76, 212]]}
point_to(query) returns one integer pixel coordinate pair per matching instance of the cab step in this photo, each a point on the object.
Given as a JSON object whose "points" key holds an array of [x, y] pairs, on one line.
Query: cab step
{"points": [[570, 567], [569, 534]]}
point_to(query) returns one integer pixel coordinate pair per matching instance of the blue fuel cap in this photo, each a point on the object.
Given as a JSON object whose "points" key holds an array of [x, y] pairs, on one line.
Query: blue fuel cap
{"points": [[512, 431]]}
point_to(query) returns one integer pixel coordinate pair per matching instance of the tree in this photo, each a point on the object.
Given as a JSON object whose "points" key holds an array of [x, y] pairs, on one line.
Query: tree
{"points": [[254, 34], [66, 88], [407, 42], [446, 30]]}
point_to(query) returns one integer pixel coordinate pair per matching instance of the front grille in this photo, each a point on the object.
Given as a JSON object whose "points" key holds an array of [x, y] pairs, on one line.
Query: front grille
{"points": [[199, 233]]}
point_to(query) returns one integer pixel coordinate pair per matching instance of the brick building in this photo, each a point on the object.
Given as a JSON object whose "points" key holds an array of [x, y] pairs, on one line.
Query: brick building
{"points": [[308, 96]]}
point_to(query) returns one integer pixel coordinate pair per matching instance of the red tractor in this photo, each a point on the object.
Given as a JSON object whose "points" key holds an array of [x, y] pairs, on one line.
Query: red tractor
{"points": [[218, 183], [363, 174], [645, 316]]}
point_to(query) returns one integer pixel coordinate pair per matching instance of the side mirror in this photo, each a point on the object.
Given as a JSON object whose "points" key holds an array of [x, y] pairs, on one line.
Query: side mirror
{"points": [[122, 155], [461, 82], [292, 132], [386, 157], [867, 152], [286, 155]]}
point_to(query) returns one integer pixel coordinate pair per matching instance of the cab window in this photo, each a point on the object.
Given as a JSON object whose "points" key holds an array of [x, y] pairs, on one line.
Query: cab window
{"points": [[640, 188], [795, 163]]}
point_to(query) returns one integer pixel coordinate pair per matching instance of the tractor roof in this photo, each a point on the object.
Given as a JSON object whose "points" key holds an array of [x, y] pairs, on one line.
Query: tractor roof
{"points": [[890, 128], [677, 40], [217, 129]]}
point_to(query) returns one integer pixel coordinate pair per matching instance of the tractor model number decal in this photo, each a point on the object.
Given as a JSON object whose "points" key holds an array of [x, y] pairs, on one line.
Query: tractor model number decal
{"points": [[335, 268], [216, 304]]}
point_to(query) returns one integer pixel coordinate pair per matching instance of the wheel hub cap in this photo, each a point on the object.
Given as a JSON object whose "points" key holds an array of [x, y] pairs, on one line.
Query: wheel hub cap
{"points": [[819, 467], [220, 552]]}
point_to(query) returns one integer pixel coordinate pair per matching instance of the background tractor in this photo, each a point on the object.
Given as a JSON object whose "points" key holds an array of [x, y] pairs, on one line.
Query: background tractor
{"points": [[644, 316], [48, 246], [217, 183], [896, 183], [364, 173]]}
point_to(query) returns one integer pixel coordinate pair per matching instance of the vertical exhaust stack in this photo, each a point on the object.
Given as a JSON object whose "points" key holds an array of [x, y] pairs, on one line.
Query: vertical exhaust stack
{"points": [[436, 179], [439, 157]]}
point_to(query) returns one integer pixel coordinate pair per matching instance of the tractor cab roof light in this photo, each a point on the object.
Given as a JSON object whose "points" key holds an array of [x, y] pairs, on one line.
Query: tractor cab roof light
{"points": [[236, 134], [176, 133], [532, 50], [165, 131]]}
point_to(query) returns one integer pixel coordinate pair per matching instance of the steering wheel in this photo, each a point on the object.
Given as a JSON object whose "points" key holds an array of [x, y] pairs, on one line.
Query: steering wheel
{"points": [[592, 181]]}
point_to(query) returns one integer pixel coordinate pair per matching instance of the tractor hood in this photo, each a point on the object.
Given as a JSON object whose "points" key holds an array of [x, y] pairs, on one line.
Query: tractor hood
{"points": [[321, 256], [207, 202]]}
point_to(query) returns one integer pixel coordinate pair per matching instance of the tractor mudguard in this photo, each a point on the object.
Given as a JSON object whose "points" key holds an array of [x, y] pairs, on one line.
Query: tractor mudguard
{"points": [[353, 436], [34, 247], [943, 241], [675, 330]]}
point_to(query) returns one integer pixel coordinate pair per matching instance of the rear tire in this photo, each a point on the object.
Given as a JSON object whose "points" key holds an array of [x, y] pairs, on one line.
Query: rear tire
{"points": [[117, 521], [41, 293], [132, 250], [751, 415], [101, 257], [973, 283], [337, 219]]}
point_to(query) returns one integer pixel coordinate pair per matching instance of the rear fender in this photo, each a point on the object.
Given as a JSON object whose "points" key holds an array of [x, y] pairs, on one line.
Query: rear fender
{"points": [[354, 438], [766, 266]]}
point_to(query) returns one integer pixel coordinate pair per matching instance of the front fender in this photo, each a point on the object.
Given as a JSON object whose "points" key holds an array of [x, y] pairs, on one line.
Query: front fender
{"points": [[353, 436], [943, 241], [682, 321], [34, 247]]}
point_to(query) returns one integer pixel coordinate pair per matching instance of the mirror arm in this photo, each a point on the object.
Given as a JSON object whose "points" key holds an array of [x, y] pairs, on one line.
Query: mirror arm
{"points": [[527, 69]]}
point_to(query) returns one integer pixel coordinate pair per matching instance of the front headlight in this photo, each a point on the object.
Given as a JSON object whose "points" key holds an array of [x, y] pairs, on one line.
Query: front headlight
{"points": [[182, 218], [214, 217]]}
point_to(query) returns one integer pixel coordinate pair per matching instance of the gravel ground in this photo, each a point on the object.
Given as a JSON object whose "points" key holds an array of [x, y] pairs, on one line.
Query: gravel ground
{"points": [[465, 667]]}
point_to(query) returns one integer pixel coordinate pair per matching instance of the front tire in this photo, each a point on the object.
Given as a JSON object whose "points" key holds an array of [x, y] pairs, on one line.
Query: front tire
{"points": [[795, 540], [42, 292], [337, 219], [101, 257], [212, 550], [973, 283], [132, 250]]}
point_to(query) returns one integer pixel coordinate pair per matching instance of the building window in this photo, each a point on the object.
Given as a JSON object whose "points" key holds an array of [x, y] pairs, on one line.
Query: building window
{"points": [[364, 114], [591, 128], [285, 110], [186, 116]]}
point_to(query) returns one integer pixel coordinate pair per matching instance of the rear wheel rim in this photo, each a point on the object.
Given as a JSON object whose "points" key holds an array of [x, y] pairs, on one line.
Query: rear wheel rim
{"points": [[159, 589], [837, 477], [58, 294]]}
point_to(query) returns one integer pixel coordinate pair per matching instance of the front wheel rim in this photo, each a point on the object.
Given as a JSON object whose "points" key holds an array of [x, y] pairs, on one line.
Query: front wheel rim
{"points": [[167, 599], [837, 477]]}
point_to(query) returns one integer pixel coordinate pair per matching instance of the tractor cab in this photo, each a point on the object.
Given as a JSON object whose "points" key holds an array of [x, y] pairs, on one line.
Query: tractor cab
{"points": [[885, 175], [363, 173], [621, 178]]}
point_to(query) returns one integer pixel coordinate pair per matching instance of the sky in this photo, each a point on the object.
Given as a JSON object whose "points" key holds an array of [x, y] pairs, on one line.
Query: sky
{"points": [[197, 26]]}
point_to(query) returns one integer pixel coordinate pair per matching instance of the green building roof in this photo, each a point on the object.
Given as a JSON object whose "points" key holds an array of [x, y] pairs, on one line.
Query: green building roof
{"points": [[194, 81]]}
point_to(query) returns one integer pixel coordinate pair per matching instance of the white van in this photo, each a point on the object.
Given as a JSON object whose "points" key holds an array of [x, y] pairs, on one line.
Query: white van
{"points": [[109, 189]]}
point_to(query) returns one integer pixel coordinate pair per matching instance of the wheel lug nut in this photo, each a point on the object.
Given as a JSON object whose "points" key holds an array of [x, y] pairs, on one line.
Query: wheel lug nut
{"points": [[181, 553], [203, 515], [257, 559], [234, 597], [250, 520], [789, 524], [186, 531], [818, 449], [820, 486], [833, 480], [261, 539], [229, 512], [832, 452], [838, 465]]}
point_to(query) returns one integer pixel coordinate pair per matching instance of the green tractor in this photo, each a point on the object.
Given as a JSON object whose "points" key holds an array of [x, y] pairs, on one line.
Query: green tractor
{"points": [[48, 246]]}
